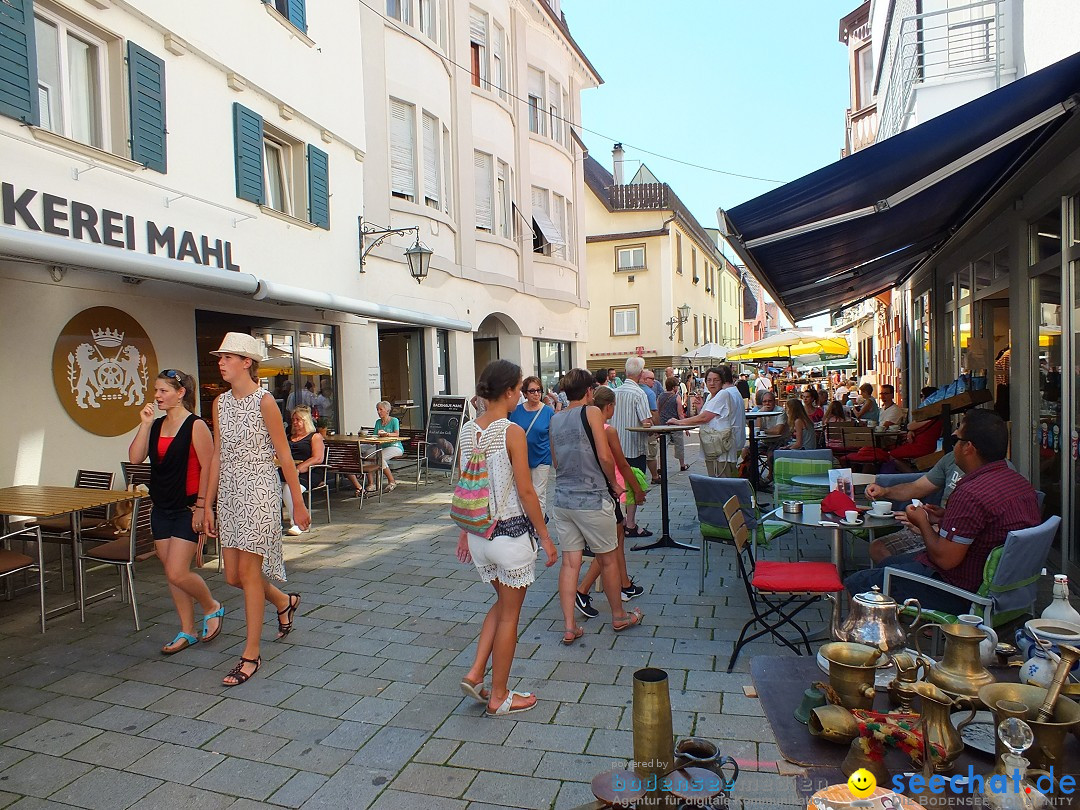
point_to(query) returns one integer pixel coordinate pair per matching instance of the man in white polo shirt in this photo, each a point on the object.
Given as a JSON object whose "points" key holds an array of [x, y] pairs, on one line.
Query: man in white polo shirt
{"points": [[632, 410]]}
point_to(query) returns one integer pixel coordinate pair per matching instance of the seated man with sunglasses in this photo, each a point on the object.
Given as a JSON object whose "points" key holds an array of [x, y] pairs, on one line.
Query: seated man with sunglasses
{"points": [[990, 501]]}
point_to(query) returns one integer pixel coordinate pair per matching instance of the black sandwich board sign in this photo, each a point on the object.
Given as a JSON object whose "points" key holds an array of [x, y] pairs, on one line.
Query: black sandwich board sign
{"points": [[445, 417]]}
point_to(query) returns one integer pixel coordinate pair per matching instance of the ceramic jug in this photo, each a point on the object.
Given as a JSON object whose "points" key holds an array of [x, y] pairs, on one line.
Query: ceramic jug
{"points": [[987, 645]]}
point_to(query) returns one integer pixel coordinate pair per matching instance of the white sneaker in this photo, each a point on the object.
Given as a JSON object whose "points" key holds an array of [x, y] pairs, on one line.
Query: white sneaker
{"points": [[294, 531]]}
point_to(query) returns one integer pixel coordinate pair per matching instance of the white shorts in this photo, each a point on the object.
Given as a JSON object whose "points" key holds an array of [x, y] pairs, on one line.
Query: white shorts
{"points": [[540, 475], [511, 560]]}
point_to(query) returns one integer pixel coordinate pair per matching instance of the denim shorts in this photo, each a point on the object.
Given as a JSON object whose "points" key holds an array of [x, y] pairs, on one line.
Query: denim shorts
{"points": [[166, 523]]}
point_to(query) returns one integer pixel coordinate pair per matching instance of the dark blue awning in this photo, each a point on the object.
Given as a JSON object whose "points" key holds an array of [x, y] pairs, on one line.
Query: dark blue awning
{"points": [[861, 225]]}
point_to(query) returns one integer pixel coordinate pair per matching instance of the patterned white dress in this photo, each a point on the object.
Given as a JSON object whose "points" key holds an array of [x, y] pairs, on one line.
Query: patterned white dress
{"points": [[249, 493]]}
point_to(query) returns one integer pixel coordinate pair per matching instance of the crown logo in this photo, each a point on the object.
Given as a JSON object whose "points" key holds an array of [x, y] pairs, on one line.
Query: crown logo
{"points": [[107, 337]]}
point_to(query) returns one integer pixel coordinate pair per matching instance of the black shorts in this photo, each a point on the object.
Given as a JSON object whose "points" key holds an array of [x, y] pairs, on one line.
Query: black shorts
{"points": [[639, 462], [166, 523]]}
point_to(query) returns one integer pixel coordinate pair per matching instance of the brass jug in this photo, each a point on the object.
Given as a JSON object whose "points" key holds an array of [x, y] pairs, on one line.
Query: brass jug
{"points": [[936, 724], [852, 668], [960, 671], [909, 669]]}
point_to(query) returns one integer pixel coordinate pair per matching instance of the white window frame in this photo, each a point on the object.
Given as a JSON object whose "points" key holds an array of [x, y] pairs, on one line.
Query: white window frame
{"points": [[484, 190], [484, 47], [571, 229], [500, 63], [448, 172], [64, 29], [504, 196], [404, 10], [554, 111], [277, 152], [403, 150], [432, 165], [629, 251], [628, 315], [558, 216], [537, 110]]}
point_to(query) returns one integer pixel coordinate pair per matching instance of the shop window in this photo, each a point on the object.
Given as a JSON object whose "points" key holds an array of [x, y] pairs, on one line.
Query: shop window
{"points": [[1044, 237], [630, 258], [73, 80], [552, 362], [624, 320]]}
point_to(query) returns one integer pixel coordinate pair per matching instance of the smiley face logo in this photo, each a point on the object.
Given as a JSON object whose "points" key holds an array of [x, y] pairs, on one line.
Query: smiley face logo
{"points": [[861, 783]]}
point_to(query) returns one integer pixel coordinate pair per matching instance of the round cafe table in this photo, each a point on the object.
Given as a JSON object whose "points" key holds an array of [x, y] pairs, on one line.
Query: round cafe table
{"points": [[755, 480], [665, 540], [857, 479]]}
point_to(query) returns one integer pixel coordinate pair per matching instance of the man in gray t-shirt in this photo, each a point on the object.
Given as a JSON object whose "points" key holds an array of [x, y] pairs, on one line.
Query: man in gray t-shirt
{"points": [[941, 478]]}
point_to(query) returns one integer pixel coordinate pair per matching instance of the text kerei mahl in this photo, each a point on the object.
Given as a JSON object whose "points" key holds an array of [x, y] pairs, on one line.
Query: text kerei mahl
{"points": [[41, 211]]}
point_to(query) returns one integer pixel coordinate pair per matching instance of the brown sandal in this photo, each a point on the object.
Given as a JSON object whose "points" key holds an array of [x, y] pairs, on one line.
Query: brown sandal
{"points": [[237, 673], [570, 636], [284, 628], [633, 618]]}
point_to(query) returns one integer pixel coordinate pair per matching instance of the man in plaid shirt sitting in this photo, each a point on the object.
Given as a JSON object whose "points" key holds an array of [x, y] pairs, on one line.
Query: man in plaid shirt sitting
{"points": [[990, 501]]}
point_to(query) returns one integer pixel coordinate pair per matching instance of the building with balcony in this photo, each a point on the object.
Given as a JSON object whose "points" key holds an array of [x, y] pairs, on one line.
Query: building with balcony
{"points": [[647, 256], [861, 117], [176, 171]]}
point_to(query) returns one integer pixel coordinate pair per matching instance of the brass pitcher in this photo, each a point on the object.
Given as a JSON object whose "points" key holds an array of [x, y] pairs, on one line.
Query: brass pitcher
{"points": [[654, 740], [852, 668], [909, 669], [960, 671], [936, 725]]}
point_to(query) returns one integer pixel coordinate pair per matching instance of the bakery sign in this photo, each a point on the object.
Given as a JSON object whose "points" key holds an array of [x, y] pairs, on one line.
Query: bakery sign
{"points": [[40, 211], [103, 369]]}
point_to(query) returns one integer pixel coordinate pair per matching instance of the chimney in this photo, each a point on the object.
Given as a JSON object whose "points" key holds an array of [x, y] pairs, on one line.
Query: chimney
{"points": [[617, 156]]}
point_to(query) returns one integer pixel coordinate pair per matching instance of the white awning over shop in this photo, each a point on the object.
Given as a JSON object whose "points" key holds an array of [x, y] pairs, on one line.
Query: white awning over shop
{"points": [[40, 247]]}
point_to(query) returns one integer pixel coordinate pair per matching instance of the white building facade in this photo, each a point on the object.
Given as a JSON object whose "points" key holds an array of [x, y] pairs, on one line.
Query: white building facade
{"points": [[166, 180]]}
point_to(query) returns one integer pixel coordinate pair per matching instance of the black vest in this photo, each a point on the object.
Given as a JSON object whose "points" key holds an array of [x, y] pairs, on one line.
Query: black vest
{"points": [[168, 473]]}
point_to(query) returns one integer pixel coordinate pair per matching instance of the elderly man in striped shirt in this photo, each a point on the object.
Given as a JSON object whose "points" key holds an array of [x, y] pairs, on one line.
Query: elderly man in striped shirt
{"points": [[990, 501], [632, 410]]}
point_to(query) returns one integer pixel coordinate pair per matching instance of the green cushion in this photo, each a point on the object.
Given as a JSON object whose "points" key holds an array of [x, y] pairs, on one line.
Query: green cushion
{"points": [[934, 616], [784, 469]]}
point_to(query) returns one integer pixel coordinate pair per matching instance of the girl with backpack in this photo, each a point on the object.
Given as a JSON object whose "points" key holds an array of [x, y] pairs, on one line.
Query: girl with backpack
{"points": [[493, 457]]}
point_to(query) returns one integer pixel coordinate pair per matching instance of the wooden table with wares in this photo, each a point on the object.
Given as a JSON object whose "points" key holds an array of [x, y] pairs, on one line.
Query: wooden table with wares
{"points": [[665, 540], [37, 501], [360, 439]]}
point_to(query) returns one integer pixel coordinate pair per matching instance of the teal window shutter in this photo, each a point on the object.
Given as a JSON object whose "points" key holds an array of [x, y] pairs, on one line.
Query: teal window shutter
{"points": [[18, 62], [146, 95], [318, 178], [298, 14], [248, 146]]}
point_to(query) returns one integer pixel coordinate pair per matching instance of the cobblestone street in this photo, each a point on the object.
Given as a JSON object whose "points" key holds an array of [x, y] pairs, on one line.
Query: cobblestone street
{"points": [[361, 705]]}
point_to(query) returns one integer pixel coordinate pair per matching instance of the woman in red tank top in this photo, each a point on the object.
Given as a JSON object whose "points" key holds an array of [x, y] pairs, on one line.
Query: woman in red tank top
{"points": [[180, 447]]}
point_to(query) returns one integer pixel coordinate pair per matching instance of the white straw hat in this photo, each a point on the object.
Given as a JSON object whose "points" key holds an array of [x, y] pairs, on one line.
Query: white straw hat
{"points": [[241, 345]]}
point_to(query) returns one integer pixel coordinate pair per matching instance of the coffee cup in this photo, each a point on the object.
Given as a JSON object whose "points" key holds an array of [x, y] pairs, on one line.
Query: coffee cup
{"points": [[851, 516], [881, 508], [871, 423]]}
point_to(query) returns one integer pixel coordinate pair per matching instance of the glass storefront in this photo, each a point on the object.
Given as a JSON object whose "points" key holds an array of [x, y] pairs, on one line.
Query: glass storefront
{"points": [[552, 361], [401, 367]]}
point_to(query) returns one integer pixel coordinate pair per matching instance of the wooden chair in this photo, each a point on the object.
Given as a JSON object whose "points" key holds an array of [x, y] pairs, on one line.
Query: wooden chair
{"points": [[862, 446], [414, 440], [778, 591], [12, 562], [344, 458], [57, 530], [119, 551]]}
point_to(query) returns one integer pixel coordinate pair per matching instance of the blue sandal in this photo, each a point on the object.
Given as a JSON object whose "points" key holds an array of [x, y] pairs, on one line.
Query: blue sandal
{"points": [[217, 614], [187, 638]]}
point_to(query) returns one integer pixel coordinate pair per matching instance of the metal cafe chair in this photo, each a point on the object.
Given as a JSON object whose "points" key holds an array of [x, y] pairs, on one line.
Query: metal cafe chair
{"points": [[323, 477], [58, 529], [120, 552], [777, 591], [12, 562]]}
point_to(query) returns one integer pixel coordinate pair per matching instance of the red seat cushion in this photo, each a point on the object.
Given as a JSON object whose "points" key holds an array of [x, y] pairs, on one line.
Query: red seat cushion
{"points": [[793, 577], [868, 455]]}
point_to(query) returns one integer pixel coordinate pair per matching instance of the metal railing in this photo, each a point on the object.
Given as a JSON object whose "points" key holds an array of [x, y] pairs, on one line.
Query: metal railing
{"points": [[962, 41]]}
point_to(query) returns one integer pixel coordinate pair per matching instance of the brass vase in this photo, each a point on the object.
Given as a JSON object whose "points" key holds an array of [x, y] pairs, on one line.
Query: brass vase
{"points": [[654, 740], [852, 668], [960, 671]]}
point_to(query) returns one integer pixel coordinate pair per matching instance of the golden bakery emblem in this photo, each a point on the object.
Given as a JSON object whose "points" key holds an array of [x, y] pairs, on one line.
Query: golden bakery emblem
{"points": [[102, 366]]}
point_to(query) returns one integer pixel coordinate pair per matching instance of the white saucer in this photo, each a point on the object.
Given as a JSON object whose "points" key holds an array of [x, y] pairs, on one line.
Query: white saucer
{"points": [[858, 522], [882, 516]]}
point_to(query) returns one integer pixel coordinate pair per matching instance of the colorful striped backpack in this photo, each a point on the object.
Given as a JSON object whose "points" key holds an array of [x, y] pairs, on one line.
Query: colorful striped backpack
{"points": [[472, 505]]}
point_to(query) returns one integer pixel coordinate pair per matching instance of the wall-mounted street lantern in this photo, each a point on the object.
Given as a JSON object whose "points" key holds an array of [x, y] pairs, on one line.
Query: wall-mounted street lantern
{"points": [[418, 256], [678, 320]]}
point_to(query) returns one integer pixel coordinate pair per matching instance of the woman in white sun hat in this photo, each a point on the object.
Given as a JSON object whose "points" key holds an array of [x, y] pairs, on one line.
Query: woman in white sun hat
{"points": [[244, 488]]}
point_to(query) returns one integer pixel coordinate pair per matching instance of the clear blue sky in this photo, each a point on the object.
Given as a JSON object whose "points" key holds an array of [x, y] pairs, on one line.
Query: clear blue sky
{"points": [[756, 87]]}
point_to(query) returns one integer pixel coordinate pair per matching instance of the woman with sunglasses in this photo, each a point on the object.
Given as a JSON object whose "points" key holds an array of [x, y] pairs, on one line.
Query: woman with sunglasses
{"points": [[180, 448], [533, 416]]}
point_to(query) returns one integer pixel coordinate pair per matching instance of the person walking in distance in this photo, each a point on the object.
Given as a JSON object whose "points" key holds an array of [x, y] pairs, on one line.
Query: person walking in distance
{"points": [[243, 486], [632, 410], [508, 559], [583, 509], [723, 424], [180, 447]]}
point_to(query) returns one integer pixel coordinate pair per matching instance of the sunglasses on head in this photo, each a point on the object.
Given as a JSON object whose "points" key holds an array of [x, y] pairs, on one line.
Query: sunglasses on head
{"points": [[173, 374]]}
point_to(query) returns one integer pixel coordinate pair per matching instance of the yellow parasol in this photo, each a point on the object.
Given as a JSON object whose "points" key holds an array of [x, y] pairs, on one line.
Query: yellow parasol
{"points": [[792, 343], [273, 366]]}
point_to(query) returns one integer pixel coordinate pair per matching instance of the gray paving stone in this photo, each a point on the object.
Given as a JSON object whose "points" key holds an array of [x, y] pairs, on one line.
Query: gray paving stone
{"points": [[303, 675], [239, 714], [436, 752], [549, 737], [584, 714], [171, 796], [507, 790], [352, 786], [267, 691], [373, 710], [242, 777], [323, 759], [22, 698], [159, 672], [245, 744], [470, 729], [112, 750], [301, 726], [37, 677], [69, 708], [435, 780], [390, 748], [501, 759], [8, 798], [298, 789], [30, 803], [134, 694], [426, 711], [184, 703], [41, 775], [106, 789], [125, 719], [575, 767], [176, 763], [183, 731], [12, 724], [399, 800], [321, 701], [53, 737]]}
